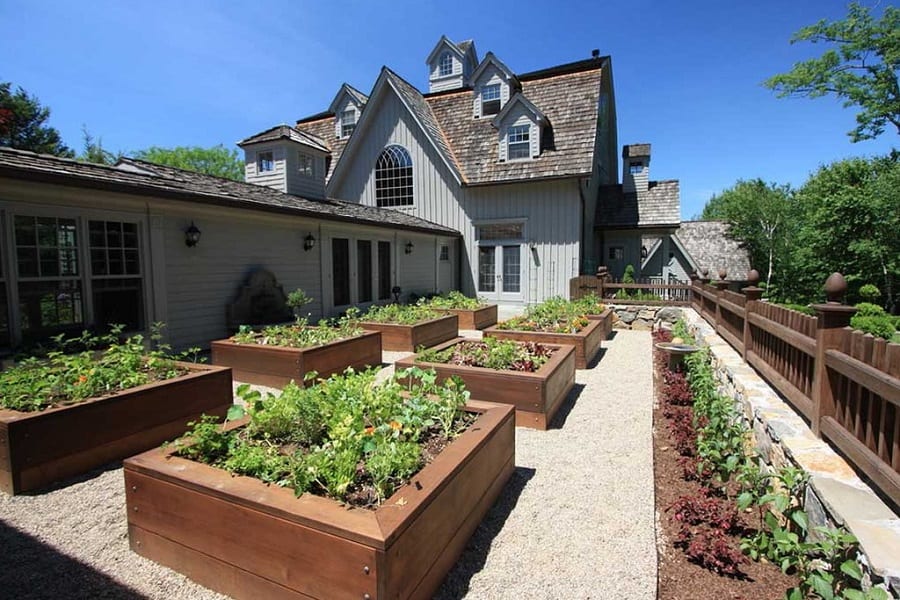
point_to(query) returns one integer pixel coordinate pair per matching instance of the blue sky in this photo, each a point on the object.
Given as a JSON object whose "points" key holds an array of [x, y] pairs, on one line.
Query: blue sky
{"points": [[687, 74]]}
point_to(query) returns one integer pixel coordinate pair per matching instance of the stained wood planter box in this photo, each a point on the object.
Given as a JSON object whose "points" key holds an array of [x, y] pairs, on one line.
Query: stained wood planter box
{"points": [[244, 538], [605, 317], [409, 337], [275, 366], [536, 396], [473, 318], [586, 342], [38, 448]]}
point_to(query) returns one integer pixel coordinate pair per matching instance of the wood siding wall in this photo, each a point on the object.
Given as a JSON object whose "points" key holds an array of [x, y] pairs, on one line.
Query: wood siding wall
{"points": [[301, 185], [275, 178]]}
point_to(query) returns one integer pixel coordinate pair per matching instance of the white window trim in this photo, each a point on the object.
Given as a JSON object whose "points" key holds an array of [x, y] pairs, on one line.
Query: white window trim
{"points": [[301, 158], [440, 65], [509, 143], [259, 154], [342, 124]]}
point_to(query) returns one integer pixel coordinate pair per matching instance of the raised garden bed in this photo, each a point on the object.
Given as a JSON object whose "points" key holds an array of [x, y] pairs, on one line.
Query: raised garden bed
{"points": [[401, 337], [473, 318], [275, 366], [247, 539], [38, 448], [606, 318], [586, 342], [536, 396]]}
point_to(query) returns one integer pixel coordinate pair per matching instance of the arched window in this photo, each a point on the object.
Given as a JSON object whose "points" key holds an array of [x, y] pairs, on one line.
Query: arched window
{"points": [[394, 177], [445, 67]]}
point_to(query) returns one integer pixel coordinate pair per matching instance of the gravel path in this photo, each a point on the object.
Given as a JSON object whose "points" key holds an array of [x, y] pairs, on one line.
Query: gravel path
{"points": [[576, 520]]}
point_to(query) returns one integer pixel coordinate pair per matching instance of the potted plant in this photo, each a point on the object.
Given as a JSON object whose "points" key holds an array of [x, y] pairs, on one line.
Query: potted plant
{"points": [[473, 313], [405, 327], [533, 377], [555, 321], [278, 354], [321, 492], [69, 412]]}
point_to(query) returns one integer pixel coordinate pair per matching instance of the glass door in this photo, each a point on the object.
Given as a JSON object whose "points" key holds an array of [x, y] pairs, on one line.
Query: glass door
{"points": [[500, 272]]}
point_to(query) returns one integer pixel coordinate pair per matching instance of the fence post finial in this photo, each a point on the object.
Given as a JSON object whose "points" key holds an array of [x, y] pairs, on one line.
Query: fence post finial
{"points": [[723, 273], [835, 288]]}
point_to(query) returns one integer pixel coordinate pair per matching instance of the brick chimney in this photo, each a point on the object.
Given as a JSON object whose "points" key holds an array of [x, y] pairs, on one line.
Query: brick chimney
{"points": [[635, 168]]}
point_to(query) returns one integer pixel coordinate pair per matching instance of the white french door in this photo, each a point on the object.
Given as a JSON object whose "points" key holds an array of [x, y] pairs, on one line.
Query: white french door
{"points": [[500, 271]]}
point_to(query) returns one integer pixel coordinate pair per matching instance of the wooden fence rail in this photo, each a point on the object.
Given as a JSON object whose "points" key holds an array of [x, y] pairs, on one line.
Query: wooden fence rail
{"points": [[845, 383]]}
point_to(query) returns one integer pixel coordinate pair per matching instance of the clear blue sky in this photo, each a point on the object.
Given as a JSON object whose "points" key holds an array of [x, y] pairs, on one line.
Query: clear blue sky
{"points": [[687, 74]]}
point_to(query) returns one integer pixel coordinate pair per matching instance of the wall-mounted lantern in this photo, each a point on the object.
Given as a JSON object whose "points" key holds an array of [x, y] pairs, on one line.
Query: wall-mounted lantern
{"points": [[309, 242], [643, 251], [408, 248], [191, 236]]}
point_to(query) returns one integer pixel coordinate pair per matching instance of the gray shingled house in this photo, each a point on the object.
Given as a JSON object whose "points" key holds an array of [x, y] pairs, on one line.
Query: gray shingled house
{"points": [[86, 245]]}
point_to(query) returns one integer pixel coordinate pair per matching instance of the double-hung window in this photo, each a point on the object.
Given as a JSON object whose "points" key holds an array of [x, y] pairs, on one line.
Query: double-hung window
{"points": [[519, 142], [265, 161], [490, 99], [348, 122], [445, 67], [306, 165]]}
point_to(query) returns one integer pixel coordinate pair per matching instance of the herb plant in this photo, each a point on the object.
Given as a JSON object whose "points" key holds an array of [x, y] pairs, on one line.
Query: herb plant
{"points": [[491, 353], [453, 299], [554, 315], [401, 314], [300, 334]]}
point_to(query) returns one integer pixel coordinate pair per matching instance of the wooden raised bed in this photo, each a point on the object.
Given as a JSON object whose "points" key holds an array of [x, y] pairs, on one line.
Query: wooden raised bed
{"points": [[409, 337], [586, 342], [537, 396], [244, 538], [473, 318], [605, 317], [38, 448], [275, 366]]}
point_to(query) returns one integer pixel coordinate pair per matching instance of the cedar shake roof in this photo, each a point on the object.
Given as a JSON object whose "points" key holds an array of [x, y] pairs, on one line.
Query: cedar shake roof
{"points": [[147, 179], [659, 207], [286, 132], [568, 95], [711, 247]]}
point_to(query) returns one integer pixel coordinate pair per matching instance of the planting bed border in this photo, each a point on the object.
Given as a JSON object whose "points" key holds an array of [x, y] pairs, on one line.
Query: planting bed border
{"points": [[396, 337], [536, 396], [473, 318], [38, 448], [605, 317], [586, 342], [244, 538], [275, 366]]}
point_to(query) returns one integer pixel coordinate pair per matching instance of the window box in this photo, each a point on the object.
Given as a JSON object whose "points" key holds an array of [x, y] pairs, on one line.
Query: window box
{"points": [[38, 448], [536, 396], [586, 342], [396, 337], [247, 539], [275, 366]]}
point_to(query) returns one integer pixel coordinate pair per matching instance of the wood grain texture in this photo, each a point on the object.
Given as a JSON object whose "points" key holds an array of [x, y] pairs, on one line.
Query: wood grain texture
{"points": [[406, 338], [473, 318], [586, 342]]}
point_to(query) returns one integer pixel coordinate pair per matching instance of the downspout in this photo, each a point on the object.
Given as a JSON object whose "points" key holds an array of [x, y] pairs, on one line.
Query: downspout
{"points": [[583, 219]]}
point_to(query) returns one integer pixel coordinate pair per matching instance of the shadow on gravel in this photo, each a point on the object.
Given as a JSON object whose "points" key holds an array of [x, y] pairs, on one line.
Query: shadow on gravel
{"points": [[612, 335], [32, 570], [568, 403], [64, 483], [597, 358], [472, 560]]}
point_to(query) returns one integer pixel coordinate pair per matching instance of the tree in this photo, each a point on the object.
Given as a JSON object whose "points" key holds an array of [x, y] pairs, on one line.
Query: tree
{"points": [[861, 68], [95, 152], [22, 125], [218, 160], [758, 215]]}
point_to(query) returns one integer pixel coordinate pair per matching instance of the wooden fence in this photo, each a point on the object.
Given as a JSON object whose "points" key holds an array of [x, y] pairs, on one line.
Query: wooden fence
{"points": [[649, 292]]}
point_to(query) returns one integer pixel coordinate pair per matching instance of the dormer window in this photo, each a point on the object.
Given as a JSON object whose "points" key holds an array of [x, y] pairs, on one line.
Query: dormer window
{"points": [[306, 165], [635, 168], [348, 122], [490, 99], [265, 161], [519, 142], [445, 67]]}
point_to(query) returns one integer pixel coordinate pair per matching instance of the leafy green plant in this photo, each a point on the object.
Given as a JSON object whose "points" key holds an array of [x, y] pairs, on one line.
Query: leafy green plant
{"points": [[556, 315], [401, 314], [300, 334], [869, 293], [491, 353], [453, 299], [873, 319]]}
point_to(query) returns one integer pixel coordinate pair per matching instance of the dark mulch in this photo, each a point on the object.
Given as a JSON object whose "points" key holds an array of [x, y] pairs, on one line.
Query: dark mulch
{"points": [[680, 579]]}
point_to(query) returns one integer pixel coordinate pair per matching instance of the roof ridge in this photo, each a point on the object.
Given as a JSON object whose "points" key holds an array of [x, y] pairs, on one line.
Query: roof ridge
{"points": [[587, 64]]}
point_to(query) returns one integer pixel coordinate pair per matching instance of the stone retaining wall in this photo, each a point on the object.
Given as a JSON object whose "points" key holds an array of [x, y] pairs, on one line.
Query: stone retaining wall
{"points": [[835, 495], [643, 318]]}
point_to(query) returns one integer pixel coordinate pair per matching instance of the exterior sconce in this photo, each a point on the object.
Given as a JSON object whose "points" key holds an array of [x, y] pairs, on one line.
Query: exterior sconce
{"points": [[191, 236], [643, 251], [309, 242], [408, 248]]}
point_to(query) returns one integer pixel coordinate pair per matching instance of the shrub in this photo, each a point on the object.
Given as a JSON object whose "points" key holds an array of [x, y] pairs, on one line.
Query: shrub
{"points": [[869, 292], [882, 327], [867, 309]]}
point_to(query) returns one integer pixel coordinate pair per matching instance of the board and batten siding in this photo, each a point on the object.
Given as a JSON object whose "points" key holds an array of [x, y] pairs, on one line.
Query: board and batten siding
{"points": [[276, 177], [551, 209], [298, 183]]}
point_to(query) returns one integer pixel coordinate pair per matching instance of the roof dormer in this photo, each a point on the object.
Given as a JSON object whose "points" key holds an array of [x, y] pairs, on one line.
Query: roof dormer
{"points": [[450, 65], [288, 160], [492, 85], [347, 106], [520, 125]]}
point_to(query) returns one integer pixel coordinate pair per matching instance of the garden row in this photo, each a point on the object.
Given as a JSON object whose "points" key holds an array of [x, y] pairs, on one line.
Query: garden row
{"points": [[283, 470]]}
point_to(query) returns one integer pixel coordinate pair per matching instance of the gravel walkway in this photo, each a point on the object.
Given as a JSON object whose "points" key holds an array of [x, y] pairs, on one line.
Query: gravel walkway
{"points": [[576, 520]]}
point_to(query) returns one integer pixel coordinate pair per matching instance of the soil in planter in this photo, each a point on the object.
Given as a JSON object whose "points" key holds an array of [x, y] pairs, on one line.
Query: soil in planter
{"points": [[679, 578]]}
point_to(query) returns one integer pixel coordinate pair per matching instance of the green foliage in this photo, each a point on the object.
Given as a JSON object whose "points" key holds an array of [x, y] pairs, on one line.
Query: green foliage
{"points": [[66, 376], [402, 314], [338, 438], [217, 160], [298, 299], [491, 353], [801, 308], [453, 299], [869, 292], [22, 124], [556, 315], [628, 276], [95, 152], [859, 67], [879, 326], [300, 334]]}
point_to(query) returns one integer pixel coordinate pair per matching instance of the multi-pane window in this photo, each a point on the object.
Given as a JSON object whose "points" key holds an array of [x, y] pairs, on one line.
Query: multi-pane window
{"points": [[490, 99], [445, 67], [519, 142], [616, 253], [348, 122], [635, 168], [445, 253], [306, 164], [394, 177], [265, 161], [48, 274], [116, 284]]}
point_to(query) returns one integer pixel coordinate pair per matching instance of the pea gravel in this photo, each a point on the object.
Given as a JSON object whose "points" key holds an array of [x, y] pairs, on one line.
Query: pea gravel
{"points": [[576, 520]]}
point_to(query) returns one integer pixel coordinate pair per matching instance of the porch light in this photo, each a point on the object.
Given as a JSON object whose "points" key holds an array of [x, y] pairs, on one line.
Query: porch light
{"points": [[191, 236], [408, 248], [643, 251], [309, 242]]}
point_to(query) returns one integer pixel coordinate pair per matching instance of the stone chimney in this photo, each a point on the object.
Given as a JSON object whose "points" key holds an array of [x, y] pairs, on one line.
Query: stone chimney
{"points": [[635, 168]]}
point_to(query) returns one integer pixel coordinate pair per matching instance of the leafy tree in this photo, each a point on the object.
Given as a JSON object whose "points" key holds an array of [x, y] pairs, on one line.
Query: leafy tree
{"points": [[22, 124], [218, 160], [758, 214], [860, 67], [95, 152]]}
